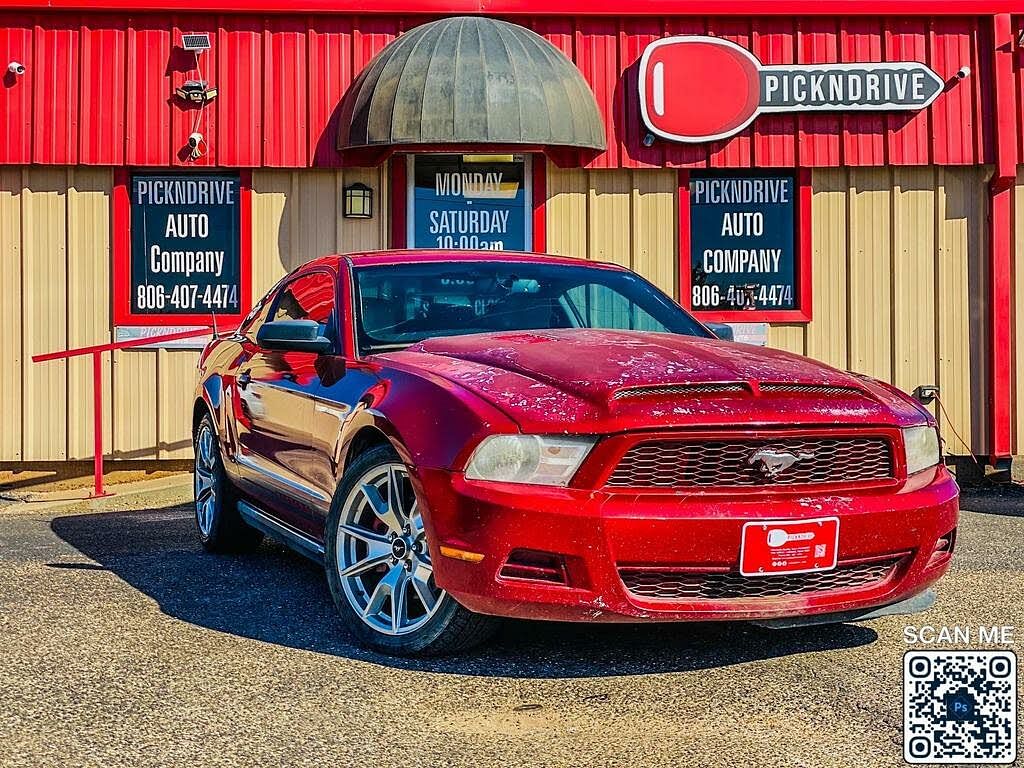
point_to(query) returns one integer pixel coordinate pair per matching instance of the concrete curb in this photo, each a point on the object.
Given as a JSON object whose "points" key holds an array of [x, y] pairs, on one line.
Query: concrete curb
{"points": [[36, 502]]}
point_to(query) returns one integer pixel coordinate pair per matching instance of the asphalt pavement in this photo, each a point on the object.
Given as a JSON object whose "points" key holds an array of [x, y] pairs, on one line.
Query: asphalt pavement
{"points": [[123, 644]]}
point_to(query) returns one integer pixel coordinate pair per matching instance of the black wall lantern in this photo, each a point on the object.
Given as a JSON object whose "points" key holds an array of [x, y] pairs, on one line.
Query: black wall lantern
{"points": [[358, 201]]}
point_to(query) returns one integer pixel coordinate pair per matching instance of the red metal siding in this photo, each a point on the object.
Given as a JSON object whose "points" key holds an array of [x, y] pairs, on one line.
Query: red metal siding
{"points": [[16, 93], [906, 132], [148, 124], [240, 101], [597, 59], [103, 93], [98, 88], [954, 111], [330, 55], [55, 91], [284, 93]]}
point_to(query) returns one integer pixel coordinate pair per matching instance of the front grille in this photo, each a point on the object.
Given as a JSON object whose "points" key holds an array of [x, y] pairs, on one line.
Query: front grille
{"points": [[681, 585], [734, 462]]}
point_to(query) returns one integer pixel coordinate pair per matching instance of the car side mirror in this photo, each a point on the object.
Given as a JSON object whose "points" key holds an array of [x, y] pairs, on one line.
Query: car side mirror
{"points": [[722, 331], [293, 336]]}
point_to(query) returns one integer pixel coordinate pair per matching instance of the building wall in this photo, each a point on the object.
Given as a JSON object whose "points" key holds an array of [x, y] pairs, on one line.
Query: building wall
{"points": [[898, 269], [1017, 320], [899, 287], [55, 247]]}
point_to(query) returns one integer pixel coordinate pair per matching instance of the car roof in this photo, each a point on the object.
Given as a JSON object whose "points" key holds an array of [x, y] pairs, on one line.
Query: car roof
{"points": [[412, 256]]}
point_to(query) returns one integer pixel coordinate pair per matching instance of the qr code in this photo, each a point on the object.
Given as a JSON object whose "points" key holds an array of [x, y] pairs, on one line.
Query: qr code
{"points": [[960, 707]]}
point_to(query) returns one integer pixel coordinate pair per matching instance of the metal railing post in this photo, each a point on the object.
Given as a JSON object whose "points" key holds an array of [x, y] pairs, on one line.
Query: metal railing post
{"points": [[97, 426]]}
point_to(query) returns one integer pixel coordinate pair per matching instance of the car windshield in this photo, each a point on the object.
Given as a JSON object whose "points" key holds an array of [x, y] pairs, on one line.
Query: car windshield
{"points": [[401, 304]]}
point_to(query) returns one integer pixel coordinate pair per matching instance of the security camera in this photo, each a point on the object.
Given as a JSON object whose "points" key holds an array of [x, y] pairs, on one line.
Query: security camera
{"points": [[16, 68], [195, 139], [963, 73]]}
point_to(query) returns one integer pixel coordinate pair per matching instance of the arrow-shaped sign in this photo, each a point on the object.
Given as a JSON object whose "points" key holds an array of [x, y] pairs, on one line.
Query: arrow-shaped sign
{"points": [[697, 88]]}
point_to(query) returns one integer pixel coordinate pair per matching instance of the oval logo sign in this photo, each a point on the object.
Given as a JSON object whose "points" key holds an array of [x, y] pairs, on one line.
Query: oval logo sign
{"points": [[697, 88]]}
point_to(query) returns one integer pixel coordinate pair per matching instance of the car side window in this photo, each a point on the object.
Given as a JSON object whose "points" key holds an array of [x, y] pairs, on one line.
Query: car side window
{"points": [[308, 297]]}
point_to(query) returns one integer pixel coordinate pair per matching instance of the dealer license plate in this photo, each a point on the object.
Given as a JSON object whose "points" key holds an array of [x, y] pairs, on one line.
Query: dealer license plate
{"points": [[789, 546]]}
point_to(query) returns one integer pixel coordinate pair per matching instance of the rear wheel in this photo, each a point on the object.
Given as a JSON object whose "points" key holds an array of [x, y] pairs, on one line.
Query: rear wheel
{"points": [[220, 527], [379, 568]]}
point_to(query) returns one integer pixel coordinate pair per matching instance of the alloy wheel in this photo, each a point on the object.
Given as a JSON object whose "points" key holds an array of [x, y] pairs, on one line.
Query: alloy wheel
{"points": [[205, 477], [381, 553]]}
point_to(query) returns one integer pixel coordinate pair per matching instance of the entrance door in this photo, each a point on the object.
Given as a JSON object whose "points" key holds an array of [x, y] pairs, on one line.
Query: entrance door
{"points": [[469, 202]]}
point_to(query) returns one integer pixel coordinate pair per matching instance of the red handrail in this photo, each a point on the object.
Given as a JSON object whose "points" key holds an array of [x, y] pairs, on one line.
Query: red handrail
{"points": [[97, 350]]}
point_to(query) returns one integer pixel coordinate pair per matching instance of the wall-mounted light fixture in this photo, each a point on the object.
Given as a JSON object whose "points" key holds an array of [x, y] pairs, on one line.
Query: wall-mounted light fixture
{"points": [[358, 201]]}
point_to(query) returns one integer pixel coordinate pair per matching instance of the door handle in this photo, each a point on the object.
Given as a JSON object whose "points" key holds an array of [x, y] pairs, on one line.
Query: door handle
{"points": [[243, 379]]}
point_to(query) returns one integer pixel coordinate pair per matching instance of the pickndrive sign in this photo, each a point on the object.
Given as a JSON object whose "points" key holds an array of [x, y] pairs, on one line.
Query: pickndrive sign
{"points": [[185, 245], [742, 243], [695, 88]]}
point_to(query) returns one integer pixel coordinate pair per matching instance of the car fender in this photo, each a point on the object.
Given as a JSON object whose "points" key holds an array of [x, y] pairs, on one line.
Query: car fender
{"points": [[430, 422]]}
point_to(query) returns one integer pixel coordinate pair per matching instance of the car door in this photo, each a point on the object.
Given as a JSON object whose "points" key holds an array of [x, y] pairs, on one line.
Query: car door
{"points": [[275, 397], [348, 389]]}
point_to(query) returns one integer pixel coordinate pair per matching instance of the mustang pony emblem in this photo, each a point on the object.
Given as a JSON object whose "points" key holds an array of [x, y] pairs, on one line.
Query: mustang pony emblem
{"points": [[772, 463]]}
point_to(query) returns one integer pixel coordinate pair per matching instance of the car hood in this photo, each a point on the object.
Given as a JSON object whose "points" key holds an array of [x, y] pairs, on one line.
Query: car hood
{"points": [[587, 380]]}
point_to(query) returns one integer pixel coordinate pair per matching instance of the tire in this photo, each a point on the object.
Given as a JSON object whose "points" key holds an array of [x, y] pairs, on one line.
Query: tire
{"points": [[220, 527], [375, 550]]}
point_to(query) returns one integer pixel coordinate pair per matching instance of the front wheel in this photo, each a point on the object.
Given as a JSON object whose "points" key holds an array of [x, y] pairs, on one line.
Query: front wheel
{"points": [[379, 568]]}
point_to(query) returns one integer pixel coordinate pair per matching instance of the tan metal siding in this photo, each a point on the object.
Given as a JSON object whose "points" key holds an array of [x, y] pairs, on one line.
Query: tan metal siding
{"points": [[11, 358], [827, 335], [621, 216], [55, 241], [88, 310], [44, 312]]}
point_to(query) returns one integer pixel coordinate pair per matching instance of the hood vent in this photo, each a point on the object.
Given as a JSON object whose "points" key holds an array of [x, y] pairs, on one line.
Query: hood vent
{"points": [[736, 387], [659, 390], [810, 389]]}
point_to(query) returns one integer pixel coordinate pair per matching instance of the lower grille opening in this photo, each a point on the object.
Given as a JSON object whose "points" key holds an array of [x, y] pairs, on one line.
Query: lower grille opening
{"points": [[943, 549], [683, 584], [533, 565]]}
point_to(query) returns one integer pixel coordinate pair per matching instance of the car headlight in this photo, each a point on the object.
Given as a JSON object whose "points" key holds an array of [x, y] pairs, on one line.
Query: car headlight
{"points": [[922, 447], [536, 459]]}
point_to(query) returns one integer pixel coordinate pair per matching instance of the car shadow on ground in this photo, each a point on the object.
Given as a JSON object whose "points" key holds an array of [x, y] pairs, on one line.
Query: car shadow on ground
{"points": [[276, 596], [1005, 499]]}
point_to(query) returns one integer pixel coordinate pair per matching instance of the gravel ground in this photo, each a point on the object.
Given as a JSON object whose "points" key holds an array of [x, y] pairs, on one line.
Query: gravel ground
{"points": [[123, 644]]}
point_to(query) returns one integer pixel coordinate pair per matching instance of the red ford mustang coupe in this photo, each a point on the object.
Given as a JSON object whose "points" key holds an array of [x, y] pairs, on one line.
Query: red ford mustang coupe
{"points": [[460, 436]]}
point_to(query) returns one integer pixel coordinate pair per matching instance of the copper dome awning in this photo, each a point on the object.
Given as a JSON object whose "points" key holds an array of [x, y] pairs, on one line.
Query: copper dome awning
{"points": [[470, 80]]}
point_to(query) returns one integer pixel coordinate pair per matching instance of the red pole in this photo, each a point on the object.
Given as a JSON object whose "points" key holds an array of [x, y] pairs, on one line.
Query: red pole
{"points": [[97, 426]]}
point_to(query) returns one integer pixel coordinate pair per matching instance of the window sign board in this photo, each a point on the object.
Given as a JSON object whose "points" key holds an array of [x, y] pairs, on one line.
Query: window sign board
{"points": [[469, 202], [743, 243], [186, 254]]}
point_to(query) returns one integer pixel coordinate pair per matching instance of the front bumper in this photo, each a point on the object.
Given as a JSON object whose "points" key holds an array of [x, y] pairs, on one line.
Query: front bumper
{"points": [[597, 533]]}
